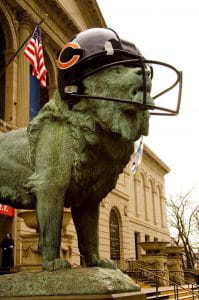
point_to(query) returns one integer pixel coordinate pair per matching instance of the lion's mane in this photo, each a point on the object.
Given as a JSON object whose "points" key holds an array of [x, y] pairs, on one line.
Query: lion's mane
{"points": [[82, 125]]}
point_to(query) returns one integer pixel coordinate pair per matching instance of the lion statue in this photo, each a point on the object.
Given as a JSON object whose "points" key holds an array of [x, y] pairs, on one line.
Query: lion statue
{"points": [[71, 155]]}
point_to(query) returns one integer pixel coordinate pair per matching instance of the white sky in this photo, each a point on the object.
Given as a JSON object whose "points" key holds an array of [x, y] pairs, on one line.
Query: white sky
{"points": [[167, 31]]}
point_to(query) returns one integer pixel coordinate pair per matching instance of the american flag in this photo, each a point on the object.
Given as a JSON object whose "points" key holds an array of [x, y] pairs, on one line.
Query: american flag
{"points": [[34, 53], [137, 155]]}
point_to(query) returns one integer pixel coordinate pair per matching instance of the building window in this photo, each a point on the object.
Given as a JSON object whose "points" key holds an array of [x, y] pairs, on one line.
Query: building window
{"points": [[147, 238], [114, 235], [155, 239]]}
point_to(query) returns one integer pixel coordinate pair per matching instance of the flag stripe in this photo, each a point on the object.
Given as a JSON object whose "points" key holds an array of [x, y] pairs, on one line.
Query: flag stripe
{"points": [[34, 53]]}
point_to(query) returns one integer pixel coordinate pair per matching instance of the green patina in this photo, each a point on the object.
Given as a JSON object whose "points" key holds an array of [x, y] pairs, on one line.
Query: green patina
{"points": [[73, 158]]}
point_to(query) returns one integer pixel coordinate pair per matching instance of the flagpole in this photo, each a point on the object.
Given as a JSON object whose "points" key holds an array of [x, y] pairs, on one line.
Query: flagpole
{"points": [[17, 52]]}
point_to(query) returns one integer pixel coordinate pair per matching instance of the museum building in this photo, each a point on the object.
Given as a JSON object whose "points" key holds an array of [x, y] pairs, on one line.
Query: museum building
{"points": [[135, 210]]}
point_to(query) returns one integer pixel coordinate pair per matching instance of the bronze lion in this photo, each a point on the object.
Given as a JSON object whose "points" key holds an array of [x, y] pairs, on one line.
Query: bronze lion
{"points": [[72, 158]]}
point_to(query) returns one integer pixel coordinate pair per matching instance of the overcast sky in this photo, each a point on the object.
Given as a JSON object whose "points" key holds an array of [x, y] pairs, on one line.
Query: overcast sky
{"points": [[167, 31]]}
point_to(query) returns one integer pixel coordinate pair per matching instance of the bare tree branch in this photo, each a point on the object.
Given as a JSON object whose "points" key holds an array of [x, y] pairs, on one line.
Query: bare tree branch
{"points": [[184, 221]]}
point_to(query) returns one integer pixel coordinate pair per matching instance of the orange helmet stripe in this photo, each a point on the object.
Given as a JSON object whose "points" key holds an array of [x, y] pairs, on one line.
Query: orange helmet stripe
{"points": [[73, 60]]}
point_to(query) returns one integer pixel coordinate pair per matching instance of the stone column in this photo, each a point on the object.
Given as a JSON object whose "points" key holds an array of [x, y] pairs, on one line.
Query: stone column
{"points": [[154, 194], [23, 75], [10, 88], [146, 188], [164, 219], [136, 189]]}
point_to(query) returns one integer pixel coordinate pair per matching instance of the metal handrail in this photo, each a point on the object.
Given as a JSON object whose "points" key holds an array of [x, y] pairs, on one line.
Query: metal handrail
{"points": [[168, 272], [157, 279]]}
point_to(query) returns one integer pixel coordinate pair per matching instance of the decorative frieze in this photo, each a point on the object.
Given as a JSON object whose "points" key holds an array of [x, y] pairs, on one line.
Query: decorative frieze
{"points": [[25, 20]]}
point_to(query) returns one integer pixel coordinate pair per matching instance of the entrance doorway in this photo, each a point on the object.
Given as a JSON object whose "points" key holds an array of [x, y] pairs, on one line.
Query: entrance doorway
{"points": [[137, 247], [6, 223]]}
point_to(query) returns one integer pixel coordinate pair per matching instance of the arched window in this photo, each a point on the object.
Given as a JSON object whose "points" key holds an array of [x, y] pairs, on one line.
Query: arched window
{"points": [[114, 235], [2, 78]]}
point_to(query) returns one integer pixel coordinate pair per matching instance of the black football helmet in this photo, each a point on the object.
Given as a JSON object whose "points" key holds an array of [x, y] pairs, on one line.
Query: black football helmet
{"points": [[96, 49]]}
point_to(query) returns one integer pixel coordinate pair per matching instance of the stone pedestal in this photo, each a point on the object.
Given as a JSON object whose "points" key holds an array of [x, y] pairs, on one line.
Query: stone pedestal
{"points": [[175, 268], [175, 264], [74, 283], [30, 259], [155, 260], [157, 264], [121, 296]]}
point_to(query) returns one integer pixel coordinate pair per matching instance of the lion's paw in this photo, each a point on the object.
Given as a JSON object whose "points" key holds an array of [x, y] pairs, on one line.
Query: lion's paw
{"points": [[56, 264], [106, 263]]}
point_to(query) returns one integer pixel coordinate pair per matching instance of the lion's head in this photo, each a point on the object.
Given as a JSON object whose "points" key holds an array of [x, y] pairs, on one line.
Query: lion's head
{"points": [[118, 82], [123, 119]]}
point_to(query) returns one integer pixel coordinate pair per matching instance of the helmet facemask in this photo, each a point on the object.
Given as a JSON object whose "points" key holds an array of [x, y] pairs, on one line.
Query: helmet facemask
{"points": [[111, 54]]}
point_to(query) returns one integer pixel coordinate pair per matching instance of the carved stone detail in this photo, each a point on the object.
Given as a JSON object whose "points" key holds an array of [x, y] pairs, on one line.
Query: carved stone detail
{"points": [[8, 25], [92, 11], [64, 21], [25, 19]]}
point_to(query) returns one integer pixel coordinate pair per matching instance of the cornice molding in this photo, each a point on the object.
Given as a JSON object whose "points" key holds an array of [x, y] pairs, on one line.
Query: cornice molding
{"points": [[65, 21], [152, 227], [153, 158], [24, 19], [58, 25], [91, 10], [120, 194]]}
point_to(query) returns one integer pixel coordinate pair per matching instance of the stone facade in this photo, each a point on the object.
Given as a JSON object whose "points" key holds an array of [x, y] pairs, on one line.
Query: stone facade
{"points": [[135, 210]]}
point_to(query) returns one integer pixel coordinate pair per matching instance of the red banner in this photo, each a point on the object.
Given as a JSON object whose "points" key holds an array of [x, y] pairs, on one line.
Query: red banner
{"points": [[7, 210]]}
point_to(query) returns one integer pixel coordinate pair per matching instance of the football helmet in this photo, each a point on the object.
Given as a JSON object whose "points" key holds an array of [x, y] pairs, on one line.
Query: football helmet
{"points": [[96, 49]]}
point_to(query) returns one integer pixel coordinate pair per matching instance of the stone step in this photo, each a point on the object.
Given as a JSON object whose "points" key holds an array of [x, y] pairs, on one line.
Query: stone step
{"points": [[187, 297], [169, 294], [141, 280], [159, 296]]}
